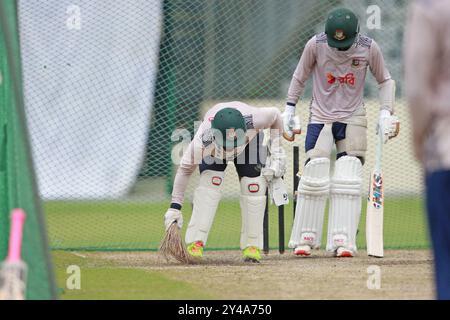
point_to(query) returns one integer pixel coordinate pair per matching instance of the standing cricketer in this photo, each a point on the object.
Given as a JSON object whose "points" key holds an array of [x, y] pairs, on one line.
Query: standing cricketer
{"points": [[427, 71], [338, 60], [230, 131]]}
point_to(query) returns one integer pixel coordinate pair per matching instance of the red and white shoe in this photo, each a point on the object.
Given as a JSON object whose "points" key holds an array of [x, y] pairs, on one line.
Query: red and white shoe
{"points": [[302, 251], [342, 252]]}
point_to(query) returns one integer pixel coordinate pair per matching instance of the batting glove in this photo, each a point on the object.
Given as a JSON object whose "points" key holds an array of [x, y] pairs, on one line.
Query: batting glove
{"points": [[275, 167], [291, 123], [171, 216], [388, 125]]}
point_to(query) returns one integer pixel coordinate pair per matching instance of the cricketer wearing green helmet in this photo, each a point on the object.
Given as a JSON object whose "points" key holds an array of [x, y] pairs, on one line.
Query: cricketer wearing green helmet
{"points": [[338, 60], [230, 128], [230, 132], [341, 28]]}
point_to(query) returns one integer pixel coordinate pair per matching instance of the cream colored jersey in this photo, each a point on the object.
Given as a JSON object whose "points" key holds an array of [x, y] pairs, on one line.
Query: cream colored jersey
{"points": [[338, 77], [202, 145], [427, 79]]}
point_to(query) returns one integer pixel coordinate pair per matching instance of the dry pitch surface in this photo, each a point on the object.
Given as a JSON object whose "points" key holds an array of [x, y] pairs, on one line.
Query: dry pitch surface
{"points": [[223, 275]]}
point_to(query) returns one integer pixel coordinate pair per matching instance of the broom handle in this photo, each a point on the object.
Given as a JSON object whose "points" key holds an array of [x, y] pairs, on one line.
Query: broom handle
{"points": [[15, 236]]}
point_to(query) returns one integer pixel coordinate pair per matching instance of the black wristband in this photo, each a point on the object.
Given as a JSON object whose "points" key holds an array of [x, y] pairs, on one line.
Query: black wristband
{"points": [[290, 104], [174, 205]]}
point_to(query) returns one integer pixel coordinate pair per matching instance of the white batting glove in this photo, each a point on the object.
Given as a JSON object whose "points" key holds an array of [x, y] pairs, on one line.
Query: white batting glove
{"points": [[171, 216], [275, 167], [388, 125], [291, 123]]}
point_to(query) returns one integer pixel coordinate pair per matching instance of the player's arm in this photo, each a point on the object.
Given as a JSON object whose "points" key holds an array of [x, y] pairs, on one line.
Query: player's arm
{"points": [[297, 88], [388, 123], [420, 48], [188, 163], [270, 118]]}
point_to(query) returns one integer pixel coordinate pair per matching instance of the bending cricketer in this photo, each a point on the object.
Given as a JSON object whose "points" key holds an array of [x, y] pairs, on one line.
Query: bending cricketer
{"points": [[338, 60], [230, 131]]}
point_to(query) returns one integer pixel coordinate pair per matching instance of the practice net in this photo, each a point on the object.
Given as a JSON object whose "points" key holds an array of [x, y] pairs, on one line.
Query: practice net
{"points": [[112, 88]]}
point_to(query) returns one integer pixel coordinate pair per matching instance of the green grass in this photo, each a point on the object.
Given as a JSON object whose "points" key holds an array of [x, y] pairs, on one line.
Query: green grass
{"points": [[139, 226], [109, 282]]}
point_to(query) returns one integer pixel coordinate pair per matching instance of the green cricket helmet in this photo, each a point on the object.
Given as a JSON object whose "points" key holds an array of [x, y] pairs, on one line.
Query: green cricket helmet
{"points": [[229, 128], [341, 28]]}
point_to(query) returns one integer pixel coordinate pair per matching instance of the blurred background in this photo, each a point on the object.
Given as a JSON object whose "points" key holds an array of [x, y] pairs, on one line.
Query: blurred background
{"points": [[106, 83]]}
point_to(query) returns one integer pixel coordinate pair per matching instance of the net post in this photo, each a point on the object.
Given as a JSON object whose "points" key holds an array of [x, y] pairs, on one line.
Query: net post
{"points": [[281, 229], [266, 226], [296, 178]]}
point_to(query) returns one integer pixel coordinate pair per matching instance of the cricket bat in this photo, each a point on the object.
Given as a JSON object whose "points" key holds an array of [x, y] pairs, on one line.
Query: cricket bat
{"points": [[13, 271], [375, 206]]}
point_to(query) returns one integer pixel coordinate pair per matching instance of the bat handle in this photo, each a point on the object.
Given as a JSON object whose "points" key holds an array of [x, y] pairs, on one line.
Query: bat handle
{"points": [[379, 152], [15, 236]]}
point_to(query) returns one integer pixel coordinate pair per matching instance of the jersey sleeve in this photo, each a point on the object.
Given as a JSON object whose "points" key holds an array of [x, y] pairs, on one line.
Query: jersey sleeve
{"points": [[276, 129], [270, 118], [421, 64], [189, 161], [302, 72], [377, 64]]}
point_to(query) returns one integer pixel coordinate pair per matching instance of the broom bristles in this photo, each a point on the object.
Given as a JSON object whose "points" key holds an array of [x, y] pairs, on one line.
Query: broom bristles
{"points": [[172, 246]]}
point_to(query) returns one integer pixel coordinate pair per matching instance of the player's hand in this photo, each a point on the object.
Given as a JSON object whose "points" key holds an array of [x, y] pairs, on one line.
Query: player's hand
{"points": [[291, 123], [275, 166], [388, 125], [171, 216]]}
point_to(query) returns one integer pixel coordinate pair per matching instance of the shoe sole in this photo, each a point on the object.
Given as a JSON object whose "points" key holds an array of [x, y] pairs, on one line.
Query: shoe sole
{"points": [[251, 260], [302, 253], [195, 255], [345, 254]]}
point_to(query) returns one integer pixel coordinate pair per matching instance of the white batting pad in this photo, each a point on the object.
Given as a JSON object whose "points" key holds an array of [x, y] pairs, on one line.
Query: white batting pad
{"points": [[206, 199], [345, 204], [313, 191], [253, 203]]}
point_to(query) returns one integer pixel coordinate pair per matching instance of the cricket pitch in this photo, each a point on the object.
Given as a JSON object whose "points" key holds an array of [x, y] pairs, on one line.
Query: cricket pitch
{"points": [[403, 274]]}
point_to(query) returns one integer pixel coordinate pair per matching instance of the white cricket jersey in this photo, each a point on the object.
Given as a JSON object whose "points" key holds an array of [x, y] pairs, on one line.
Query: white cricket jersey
{"points": [[338, 77], [427, 79], [202, 145]]}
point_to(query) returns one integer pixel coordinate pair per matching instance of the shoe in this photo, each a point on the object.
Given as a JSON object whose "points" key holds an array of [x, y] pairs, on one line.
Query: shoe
{"points": [[195, 249], [252, 254], [342, 252], [302, 251]]}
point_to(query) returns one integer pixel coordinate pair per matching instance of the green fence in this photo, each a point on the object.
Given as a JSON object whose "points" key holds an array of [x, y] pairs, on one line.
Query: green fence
{"points": [[17, 184]]}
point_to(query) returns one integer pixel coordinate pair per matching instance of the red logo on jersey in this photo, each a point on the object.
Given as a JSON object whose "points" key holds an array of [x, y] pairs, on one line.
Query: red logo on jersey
{"points": [[349, 78]]}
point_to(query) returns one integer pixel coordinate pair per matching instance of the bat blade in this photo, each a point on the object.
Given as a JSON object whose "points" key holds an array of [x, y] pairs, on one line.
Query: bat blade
{"points": [[375, 215]]}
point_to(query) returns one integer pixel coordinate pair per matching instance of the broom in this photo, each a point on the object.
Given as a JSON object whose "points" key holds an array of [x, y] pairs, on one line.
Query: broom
{"points": [[173, 246]]}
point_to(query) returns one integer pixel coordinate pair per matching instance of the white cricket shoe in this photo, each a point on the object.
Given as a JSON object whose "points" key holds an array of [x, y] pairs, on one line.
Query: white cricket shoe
{"points": [[302, 251], [343, 252]]}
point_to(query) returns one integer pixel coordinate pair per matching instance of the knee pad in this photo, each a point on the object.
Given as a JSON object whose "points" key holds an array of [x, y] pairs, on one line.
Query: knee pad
{"points": [[253, 204], [345, 203], [206, 199], [313, 190]]}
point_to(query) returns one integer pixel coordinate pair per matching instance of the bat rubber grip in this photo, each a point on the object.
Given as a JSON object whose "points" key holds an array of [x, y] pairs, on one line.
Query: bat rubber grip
{"points": [[15, 236]]}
